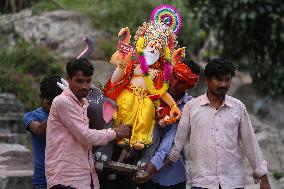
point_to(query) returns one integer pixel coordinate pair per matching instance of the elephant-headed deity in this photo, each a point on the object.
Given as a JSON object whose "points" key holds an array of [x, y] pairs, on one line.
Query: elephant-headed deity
{"points": [[141, 78]]}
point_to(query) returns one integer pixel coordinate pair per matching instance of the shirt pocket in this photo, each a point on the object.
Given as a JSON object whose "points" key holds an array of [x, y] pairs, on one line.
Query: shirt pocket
{"points": [[230, 128], [230, 125]]}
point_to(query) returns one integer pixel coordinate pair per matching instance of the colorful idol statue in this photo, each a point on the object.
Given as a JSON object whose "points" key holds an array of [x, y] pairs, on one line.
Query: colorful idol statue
{"points": [[141, 79]]}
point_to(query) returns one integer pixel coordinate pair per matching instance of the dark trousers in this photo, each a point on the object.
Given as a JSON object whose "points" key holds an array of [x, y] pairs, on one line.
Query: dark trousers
{"points": [[120, 182], [39, 187], [59, 186], [152, 185]]}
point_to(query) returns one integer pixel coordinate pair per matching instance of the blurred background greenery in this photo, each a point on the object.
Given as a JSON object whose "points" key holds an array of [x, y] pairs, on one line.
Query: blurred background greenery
{"points": [[248, 32]]}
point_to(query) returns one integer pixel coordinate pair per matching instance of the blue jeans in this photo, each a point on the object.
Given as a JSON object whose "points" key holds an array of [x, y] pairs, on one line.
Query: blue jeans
{"points": [[39, 187]]}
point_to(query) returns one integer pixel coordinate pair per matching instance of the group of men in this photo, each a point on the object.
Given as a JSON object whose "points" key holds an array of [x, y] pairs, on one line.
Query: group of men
{"points": [[216, 126]]}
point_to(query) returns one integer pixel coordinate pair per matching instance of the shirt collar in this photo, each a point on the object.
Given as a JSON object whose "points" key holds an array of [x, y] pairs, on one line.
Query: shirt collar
{"points": [[71, 94], [205, 101], [227, 102], [184, 99]]}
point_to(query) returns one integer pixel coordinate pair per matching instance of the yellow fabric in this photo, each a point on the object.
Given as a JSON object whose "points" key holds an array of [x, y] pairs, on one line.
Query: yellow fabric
{"points": [[137, 109], [152, 89], [139, 45], [167, 53], [168, 99]]}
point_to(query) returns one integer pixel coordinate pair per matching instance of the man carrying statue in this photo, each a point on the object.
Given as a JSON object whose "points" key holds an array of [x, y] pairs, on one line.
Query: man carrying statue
{"points": [[138, 84]]}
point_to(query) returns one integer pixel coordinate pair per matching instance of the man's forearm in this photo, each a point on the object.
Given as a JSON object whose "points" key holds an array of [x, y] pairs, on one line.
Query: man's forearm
{"points": [[164, 147], [183, 130], [264, 182], [42, 126], [38, 128], [264, 178]]}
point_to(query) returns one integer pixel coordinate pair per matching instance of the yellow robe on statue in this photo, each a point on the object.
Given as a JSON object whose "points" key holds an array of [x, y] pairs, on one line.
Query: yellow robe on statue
{"points": [[138, 110]]}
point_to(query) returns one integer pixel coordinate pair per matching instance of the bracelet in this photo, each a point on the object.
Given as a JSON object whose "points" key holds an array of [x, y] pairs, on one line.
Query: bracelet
{"points": [[121, 66], [115, 132], [173, 106]]}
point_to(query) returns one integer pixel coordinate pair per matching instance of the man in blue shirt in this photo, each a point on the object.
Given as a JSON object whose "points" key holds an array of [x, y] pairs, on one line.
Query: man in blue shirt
{"points": [[184, 77], [35, 122]]}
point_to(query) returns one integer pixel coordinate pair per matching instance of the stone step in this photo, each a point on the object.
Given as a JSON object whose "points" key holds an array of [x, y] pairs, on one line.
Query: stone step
{"points": [[16, 167], [22, 180], [6, 136], [15, 157], [13, 123], [9, 103]]}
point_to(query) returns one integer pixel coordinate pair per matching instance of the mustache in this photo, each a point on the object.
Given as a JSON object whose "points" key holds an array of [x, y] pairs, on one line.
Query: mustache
{"points": [[84, 90], [222, 89]]}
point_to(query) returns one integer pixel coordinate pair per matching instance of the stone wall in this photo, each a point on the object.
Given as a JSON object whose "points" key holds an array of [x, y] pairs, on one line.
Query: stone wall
{"points": [[16, 161]]}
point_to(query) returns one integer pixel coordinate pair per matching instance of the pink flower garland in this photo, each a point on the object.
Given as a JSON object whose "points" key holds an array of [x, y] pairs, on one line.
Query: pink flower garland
{"points": [[143, 64], [167, 71]]}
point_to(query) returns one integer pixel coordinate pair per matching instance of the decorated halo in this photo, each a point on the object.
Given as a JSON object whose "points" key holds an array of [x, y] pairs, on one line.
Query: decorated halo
{"points": [[168, 15]]}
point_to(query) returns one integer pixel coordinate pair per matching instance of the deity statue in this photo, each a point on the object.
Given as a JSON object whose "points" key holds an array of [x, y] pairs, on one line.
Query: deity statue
{"points": [[141, 78]]}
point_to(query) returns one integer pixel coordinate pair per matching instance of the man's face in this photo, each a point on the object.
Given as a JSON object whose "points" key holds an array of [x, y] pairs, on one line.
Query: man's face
{"points": [[219, 85], [80, 84], [152, 52], [46, 104], [177, 87]]}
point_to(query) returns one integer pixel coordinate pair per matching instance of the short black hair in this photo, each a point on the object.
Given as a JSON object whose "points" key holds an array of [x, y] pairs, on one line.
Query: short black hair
{"points": [[82, 64], [195, 68], [49, 89], [218, 67]]}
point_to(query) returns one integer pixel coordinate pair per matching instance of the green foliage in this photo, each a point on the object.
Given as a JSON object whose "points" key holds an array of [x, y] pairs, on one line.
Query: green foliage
{"points": [[108, 47], [19, 84], [192, 34], [12, 6], [23, 67], [278, 175], [112, 15], [251, 29], [131, 13], [43, 6], [30, 59]]}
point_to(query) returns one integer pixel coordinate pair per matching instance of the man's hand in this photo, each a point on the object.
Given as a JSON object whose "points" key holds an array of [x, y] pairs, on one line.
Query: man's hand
{"points": [[175, 112], [123, 131], [167, 162], [148, 171], [264, 183]]}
